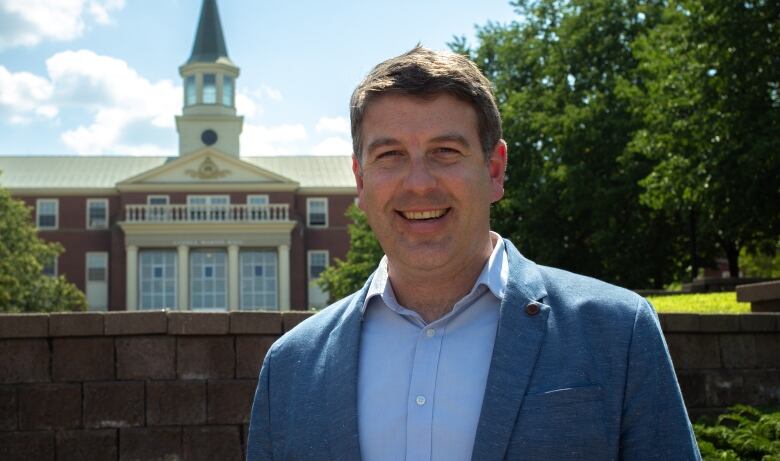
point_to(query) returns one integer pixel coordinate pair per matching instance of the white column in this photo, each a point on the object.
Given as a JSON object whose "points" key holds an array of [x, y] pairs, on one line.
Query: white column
{"points": [[233, 277], [283, 252], [131, 276], [183, 282]]}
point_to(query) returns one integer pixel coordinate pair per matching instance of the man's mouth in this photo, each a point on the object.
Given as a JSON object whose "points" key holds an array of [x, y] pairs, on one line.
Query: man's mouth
{"points": [[427, 214]]}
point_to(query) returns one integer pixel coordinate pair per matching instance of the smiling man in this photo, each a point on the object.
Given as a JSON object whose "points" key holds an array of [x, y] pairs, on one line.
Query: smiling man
{"points": [[458, 347]]}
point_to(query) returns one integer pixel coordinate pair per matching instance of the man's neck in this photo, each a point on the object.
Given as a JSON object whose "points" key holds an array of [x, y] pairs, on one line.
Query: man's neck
{"points": [[433, 294]]}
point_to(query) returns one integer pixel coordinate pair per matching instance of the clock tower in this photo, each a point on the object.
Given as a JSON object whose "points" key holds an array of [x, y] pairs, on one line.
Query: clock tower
{"points": [[209, 115]]}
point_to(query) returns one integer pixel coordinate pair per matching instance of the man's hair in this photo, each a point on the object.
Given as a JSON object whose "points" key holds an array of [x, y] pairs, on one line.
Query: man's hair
{"points": [[426, 74]]}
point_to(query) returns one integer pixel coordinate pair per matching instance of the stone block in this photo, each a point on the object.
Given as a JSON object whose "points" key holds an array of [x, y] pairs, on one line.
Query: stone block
{"points": [[82, 359], [27, 446], [76, 324], [154, 443], [763, 291], [114, 404], [198, 323], [768, 350], [135, 323], [681, 323], [291, 319], [250, 352], [693, 385], [725, 388], [756, 322], [738, 350], [203, 357], [145, 357], [24, 326], [717, 323], [210, 443], [170, 403], [92, 445], [24, 360], [256, 323], [764, 386], [694, 351], [49, 406], [230, 402], [8, 409]]}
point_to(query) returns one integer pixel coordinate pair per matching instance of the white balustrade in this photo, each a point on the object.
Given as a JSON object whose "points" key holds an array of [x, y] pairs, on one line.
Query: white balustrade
{"points": [[207, 213]]}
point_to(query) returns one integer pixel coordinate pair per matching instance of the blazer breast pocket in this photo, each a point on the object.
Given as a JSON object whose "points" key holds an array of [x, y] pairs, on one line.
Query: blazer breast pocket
{"points": [[567, 423]]}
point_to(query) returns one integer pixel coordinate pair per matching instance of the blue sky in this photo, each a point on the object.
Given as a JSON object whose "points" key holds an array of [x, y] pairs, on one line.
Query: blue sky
{"points": [[100, 77]]}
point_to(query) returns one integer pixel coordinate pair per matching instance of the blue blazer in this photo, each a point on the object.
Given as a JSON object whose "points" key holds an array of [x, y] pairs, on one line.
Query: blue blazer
{"points": [[580, 370]]}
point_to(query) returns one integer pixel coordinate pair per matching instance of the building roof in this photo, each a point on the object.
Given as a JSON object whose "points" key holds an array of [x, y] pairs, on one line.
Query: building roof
{"points": [[209, 43], [61, 172]]}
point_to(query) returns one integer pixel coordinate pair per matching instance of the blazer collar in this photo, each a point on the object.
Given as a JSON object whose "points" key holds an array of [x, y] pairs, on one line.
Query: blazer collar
{"points": [[519, 338]]}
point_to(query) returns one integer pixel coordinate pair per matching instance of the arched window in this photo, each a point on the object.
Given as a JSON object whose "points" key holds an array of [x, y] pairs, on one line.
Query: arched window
{"points": [[209, 89]]}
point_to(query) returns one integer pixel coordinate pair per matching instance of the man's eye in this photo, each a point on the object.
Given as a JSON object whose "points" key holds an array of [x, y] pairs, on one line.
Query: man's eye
{"points": [[446, 151], [388, 154]]}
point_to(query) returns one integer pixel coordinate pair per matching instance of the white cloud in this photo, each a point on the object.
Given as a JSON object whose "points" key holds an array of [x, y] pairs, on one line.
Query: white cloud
{"points": [[24, 97], [28, 22], [117, 95], [339, 125], [246, 104], [272, 140], [333, 146], [272, 93]]}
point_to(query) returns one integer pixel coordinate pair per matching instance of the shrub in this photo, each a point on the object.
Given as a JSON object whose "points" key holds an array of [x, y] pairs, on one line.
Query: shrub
{"points": [[744, 433]]}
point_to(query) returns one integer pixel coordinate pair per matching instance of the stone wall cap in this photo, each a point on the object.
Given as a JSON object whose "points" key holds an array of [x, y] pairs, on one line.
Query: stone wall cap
{"points": [[24, 325], [119, 323], [256, 323], [76, 324], [764, 291], [198, 323]]}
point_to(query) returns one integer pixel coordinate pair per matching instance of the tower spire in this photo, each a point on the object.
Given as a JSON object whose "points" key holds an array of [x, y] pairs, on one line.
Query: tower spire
{"points": [[209, 43]]}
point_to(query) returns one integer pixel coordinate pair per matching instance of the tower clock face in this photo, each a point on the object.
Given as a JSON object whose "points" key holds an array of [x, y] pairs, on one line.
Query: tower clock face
{"points": [[209, 137]]}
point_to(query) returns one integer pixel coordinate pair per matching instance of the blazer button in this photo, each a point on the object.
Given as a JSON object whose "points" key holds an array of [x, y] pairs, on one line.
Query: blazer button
{"points": [[532, 309]]}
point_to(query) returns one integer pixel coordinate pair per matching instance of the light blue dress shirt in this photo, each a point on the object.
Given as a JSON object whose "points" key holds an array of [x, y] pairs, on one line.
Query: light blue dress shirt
{"points": [[420, 386]]}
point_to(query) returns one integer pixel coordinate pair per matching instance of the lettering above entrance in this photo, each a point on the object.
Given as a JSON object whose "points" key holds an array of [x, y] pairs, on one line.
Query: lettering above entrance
{"points": [[208, 170]]}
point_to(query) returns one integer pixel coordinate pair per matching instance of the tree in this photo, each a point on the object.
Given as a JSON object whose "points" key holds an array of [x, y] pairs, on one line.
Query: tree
{"points": [[572, 197], [347, 276], [23, 286], [709, 102]]}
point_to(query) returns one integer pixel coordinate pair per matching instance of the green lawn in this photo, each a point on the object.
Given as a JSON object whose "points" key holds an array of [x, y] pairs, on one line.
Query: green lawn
{"points": [[704, 303]]}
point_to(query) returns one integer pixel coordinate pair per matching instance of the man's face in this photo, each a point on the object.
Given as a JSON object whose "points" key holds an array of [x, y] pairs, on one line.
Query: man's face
{"points": [[424, 184]]}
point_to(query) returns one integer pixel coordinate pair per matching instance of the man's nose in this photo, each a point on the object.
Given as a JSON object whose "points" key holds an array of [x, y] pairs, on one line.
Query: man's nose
{"points": [[419, 177]]}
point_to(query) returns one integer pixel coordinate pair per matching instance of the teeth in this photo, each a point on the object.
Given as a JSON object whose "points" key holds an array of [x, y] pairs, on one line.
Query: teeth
{"points": [[429, 214]]}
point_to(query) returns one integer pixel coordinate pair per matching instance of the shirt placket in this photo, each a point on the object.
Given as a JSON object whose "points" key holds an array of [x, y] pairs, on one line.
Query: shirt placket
{"points": [[422, 392]]}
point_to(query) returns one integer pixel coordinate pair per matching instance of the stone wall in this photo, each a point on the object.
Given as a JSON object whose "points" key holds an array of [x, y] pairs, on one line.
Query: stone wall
{"points": [[154, 385]]}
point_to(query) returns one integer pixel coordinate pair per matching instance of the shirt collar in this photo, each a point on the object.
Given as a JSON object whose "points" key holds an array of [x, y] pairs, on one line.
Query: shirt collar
{"points": [[494, 276]]}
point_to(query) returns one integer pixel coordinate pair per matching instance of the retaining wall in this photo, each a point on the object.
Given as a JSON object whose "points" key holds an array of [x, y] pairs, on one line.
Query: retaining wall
{"points": [[157, 385]]}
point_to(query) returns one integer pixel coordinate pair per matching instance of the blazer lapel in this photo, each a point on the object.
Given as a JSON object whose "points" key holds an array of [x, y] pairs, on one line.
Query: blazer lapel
{"points": [[340, 369], [518, 341]]}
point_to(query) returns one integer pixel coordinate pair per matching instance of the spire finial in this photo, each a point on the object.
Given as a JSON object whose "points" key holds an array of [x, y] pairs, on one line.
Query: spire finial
{"points": [[209, 42]]}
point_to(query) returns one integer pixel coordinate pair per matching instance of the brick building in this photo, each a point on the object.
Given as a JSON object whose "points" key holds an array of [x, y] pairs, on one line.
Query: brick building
{"points": [[205, 230]]}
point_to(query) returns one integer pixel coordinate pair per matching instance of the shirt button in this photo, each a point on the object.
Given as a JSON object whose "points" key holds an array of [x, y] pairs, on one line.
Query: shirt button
{"points": [[430, 332], [420, 400], [532, 309]]}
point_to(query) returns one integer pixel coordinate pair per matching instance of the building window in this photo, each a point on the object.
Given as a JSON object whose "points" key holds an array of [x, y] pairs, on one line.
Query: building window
{"points": [[257, 207], [190, 91], [157, 284], [318, 262], [208, 207], [208, 279], [158, 207], [46, 213], [317, 212], [227, 90], [97, 213], [258, 280], [50, 267], [209, 89]]}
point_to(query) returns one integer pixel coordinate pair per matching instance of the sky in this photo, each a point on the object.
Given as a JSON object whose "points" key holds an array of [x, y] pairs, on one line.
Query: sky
{"points": [[100, 77]]}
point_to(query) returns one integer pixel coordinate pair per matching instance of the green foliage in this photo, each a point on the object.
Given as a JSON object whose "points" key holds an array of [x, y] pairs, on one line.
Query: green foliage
{"points": [[710, 110], [23, 287], [700, 303], [345, 277], [744, 433], [761, 264]]}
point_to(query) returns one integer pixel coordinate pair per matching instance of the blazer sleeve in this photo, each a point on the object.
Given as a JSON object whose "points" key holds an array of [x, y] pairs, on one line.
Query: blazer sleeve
{"points": [[258, 445], [654, 422]]}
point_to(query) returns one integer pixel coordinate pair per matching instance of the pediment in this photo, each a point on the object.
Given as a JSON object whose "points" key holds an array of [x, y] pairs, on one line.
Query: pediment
{"points": [[207, 166]]}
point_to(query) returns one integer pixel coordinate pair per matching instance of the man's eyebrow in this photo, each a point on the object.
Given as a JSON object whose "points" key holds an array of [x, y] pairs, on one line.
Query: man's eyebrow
{"points": [[452, 137], [381, 142]]}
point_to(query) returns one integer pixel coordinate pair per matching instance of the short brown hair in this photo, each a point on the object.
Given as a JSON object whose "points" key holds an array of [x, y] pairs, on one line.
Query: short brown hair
{"points": [[425, 73]]}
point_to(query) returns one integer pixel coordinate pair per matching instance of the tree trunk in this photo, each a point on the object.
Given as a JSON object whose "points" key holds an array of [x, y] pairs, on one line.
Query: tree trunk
{"points": [[732, 254], [694, 257]]}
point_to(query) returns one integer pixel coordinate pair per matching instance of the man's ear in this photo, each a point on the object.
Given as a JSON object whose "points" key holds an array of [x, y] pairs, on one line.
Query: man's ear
{"points": [[358, 172], [497, 169]]}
